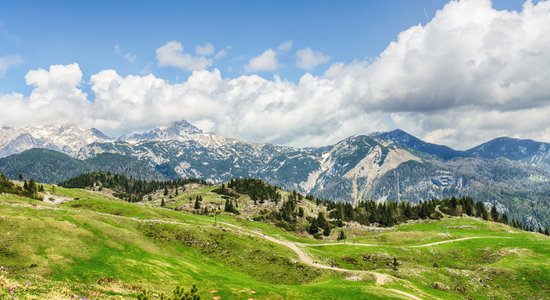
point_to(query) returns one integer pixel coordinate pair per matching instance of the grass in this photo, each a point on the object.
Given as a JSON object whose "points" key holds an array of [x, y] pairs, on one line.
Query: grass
{"points": [[100, 247]]}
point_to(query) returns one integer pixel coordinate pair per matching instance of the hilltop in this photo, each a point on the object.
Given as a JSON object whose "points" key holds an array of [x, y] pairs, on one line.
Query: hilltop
{"points": [[89, 243]]}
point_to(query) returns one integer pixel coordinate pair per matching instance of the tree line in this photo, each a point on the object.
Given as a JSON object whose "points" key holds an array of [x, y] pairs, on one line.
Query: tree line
{"points": [[384, 214], [30, 188], [129, 189]]}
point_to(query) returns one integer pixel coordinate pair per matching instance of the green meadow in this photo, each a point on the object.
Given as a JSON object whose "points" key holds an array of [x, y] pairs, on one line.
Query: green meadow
{"points": [[99, 247]]}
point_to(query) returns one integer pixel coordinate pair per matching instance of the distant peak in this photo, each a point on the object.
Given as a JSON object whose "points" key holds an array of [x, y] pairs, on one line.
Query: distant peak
{"points": [[512, 139], [96, 132], [178, 131], [398, 134], [183, 125]]}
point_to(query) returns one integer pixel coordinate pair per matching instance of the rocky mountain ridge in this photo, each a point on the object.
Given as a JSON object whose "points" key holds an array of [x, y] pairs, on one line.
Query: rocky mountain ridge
{"points": [[381, 166]]}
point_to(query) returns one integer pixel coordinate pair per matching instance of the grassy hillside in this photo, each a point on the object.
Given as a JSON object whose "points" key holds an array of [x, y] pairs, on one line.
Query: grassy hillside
{"points": [[100, 247]]}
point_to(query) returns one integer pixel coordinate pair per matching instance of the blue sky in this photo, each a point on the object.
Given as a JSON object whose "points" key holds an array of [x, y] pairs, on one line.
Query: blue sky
{"points": [[300, 73], [43, 33]]}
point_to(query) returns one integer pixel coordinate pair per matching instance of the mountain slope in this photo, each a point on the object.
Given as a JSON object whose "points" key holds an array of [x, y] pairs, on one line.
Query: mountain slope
{"points": [[50, 166], [66, 138], [102, 248], [407, 141], [361, 167], [176, 131], [43, 165], [528, 151]]}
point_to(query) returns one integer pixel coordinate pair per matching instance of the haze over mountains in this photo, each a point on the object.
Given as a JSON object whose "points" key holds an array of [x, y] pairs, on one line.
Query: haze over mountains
{"points": [[512, 173]]}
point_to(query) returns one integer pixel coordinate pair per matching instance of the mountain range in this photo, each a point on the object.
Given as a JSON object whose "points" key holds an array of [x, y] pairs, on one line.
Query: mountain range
{"points": [[513, 174]]}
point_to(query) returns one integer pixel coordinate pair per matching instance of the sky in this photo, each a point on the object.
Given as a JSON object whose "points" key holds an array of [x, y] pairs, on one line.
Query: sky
{"points": [[299, 73]]}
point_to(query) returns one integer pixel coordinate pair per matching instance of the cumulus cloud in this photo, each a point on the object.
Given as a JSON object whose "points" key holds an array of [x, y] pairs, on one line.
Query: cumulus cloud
{"points": [[456, 80], [7, 62], [267, 61], [284, 47], [56, 98], [205, 50], [309, 59], [171, 54]]}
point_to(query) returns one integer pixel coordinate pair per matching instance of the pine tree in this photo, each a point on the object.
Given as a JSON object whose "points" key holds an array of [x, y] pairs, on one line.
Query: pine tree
{"points": [[479, 209], [395, 263], [504, 218], [494, 213], [162, 203], [197, 203], [321, 220], [341, 235], [326, 230], [485, 215], [165, 191], [313, 227]]}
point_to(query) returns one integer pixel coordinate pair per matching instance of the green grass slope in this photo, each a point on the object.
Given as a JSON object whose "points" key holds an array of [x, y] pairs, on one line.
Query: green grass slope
{"points": [[99, 247]]}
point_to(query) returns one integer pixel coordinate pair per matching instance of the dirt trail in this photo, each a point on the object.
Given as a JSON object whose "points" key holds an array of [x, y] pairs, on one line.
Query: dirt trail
{"points": [[413, 246], [334, 244], [380, 278], [458, 240], [308, 260], [405, 294]]}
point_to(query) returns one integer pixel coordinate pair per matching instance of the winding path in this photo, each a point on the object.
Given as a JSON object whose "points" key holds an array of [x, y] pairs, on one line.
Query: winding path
{"points": [[413, 246], [308, 260], [380, 278]]}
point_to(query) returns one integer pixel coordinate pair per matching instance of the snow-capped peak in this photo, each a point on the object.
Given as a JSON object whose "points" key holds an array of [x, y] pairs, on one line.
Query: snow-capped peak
{"points": [[67, 138], [175, 131]]}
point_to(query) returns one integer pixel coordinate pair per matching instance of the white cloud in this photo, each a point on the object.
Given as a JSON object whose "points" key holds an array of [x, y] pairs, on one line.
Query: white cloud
{"points": [[267, 61], [220, 54], [171, 54], [55, 98], [480, 68], [128, 56], [309, 59], [205, 50], [7, 62], [284, 47], [456, 80]]}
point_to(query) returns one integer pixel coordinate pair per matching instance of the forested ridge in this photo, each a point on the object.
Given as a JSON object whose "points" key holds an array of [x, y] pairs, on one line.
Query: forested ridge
{"points": [[290, 212], [129, 189]]}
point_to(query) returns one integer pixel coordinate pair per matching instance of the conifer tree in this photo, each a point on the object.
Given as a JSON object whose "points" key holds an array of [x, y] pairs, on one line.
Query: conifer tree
{"points": [[313, 227], [321, 220], [494, 213], [326, 230], [197, 203], [341, 235]]}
